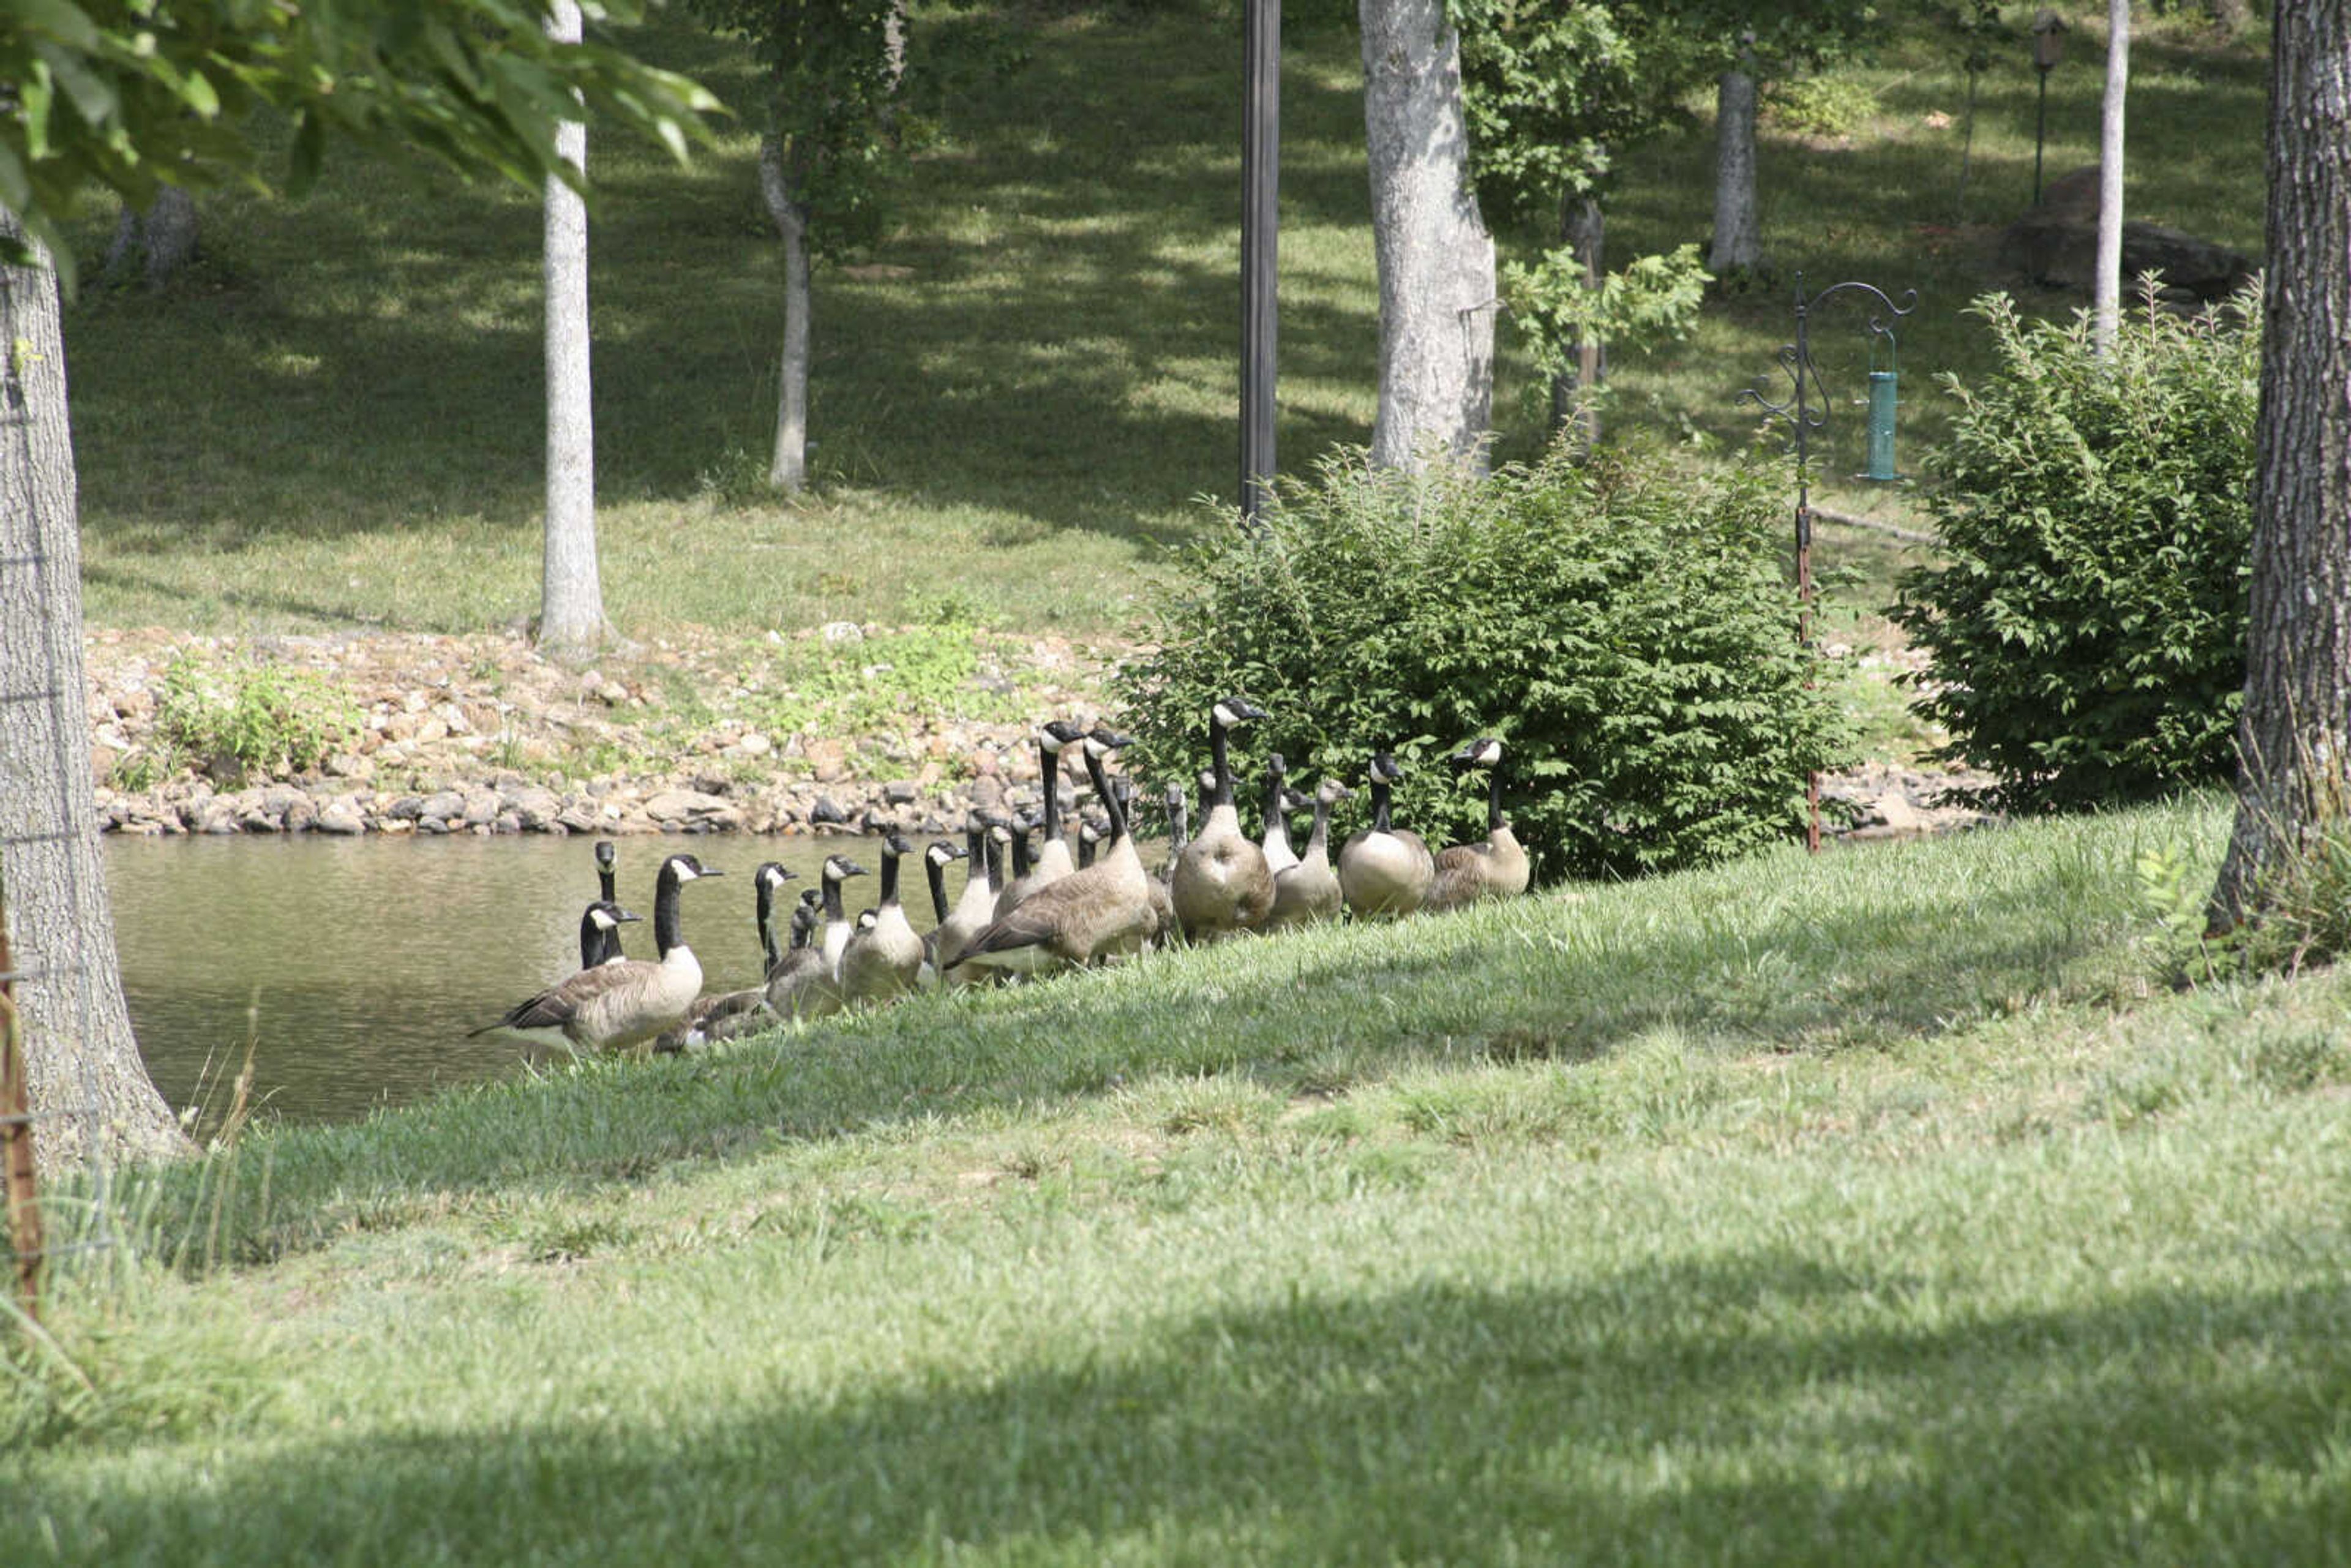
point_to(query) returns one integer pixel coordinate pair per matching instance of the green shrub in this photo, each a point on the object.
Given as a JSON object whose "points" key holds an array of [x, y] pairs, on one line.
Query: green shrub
{"points": [[1832, 106], [2087, 632], [1627, 628], [259, 718]]}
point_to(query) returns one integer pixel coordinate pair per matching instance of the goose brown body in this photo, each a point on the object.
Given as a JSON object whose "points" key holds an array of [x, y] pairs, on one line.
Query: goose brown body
{"points": [[617, 1005], [1310, 890], [1103, 912], [1496, 868], [1221, 883], [1385, 870]]}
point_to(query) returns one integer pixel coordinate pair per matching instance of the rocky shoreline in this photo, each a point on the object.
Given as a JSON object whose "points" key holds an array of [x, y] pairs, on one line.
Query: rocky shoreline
{"points": [[478, 734]]}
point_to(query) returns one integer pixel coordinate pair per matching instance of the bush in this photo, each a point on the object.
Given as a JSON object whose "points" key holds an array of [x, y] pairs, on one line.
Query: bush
{"points": [[260, 718], [1628, 630], [2087, 634]]}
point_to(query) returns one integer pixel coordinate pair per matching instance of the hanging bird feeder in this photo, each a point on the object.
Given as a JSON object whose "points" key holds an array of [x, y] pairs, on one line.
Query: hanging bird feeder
{"points": [[1883, 401]]}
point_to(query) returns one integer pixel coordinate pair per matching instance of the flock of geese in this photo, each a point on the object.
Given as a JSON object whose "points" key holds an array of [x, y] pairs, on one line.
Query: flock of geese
{"points": [[1043, 912]]}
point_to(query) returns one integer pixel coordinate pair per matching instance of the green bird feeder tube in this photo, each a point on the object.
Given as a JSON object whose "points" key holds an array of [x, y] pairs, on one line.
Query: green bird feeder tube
{"points": [[1882, 402]]}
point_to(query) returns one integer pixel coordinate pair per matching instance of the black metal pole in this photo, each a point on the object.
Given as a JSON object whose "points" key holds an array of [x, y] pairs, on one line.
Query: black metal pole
{"points": [[2040, 126], [1261, 226]]}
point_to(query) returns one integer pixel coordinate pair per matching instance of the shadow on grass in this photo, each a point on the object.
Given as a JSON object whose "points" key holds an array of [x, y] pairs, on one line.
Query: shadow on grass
{"points": [[1763, 1406]]}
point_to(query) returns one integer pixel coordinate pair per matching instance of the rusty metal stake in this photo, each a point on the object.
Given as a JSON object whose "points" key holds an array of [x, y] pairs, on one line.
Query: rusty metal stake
{"points": [[17, 1141]]}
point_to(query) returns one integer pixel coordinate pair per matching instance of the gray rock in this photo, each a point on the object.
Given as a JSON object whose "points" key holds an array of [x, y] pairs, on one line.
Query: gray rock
{"points": [[902, 791], [827, 812], [341, 816]]}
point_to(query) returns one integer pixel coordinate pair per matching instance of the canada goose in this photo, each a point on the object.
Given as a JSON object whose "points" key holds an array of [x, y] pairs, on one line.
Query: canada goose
{"points": [[1090, 838], [1220, 882], [1309, 891], [838, 869], [1495, 869], [1273, 832], [615, 1006], [607, 940], [1101, 911], [599, 933], [798, 987], [1385, 870], [881, 963], [731, 1015], [1053, 861], [936, 861]]}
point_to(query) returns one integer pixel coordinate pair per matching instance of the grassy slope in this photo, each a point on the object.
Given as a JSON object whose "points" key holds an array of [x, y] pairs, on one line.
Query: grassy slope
{"points": [[1872, 1208], [1017, 391]]}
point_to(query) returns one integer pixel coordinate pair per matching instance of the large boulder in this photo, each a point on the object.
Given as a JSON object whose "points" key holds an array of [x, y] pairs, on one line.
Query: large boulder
{"points": [[2056, 246]]}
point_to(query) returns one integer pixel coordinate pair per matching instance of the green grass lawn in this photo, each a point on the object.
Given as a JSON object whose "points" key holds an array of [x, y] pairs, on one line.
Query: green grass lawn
{"points": [[1023, 387], [1889, 1207]]}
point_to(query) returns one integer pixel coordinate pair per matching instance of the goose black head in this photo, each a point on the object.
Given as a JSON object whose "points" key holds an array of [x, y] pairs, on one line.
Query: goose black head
{"points": [[868, 918], [1101, 741], [1275, 765], [1483, 752], [1173, 799], [606, 853], [686, 868], [1295, 800], [811, 900], [898, 843], [604, 914], [1234, 710], [1055, 734], [1384, 768], [942, 852], [1331, 792], [773, 875], [840, 868]]}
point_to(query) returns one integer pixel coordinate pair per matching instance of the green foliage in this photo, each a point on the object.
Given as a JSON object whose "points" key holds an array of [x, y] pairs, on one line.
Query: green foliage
{"points": [[1552, 91], [2086, 631], [1832, 106], [261, 718], [1654, 301], [831, 78], [133, 94], [1626, 627], [878, 686]]}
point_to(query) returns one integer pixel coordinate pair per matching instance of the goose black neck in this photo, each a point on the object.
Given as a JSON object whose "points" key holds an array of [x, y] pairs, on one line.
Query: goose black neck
{"points": [[888, 877], [1494, 799], [936, 871], [994, 865], [832, 896], [592, 938], [1319, 842], [800, 935], [607, 881], [974, 850], [1222, 763], [1379, 804], [1020, 861], [665, 932], [1273, 803], [1051, 776], [766, 897], [1109, 797], [1179, 828]]}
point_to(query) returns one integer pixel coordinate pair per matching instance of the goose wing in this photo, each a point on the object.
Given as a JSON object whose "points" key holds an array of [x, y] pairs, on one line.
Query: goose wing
{"points": [[560, 1003]]}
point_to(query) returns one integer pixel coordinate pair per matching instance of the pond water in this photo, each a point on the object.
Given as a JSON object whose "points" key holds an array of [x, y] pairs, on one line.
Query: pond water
{"points": [[353, 967]]}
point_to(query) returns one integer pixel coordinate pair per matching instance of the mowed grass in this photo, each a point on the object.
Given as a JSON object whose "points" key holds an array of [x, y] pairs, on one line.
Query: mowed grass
{"points": [[1023, 387], [1888, 1208]]}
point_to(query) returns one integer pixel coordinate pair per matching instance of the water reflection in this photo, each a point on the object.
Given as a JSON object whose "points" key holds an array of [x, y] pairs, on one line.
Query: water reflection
{"points": [[353, 967]]}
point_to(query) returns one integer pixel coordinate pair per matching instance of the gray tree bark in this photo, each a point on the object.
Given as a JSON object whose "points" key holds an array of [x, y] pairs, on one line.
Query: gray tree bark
{"points": [[2294, 736], [1738, 229], [158, 241], [90, 1088], [787, 469], [1583, 229], [1436, 259], [571, 621], [2106, 316]]}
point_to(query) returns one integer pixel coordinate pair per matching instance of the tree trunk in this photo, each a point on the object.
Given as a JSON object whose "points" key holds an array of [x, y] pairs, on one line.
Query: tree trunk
{"points": [[2294, 778], [89, 1087], [1737, 231], [571, 621], [788, 470], [1436, 259], [1582, 228], [158, 241], [2107, 315]]}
